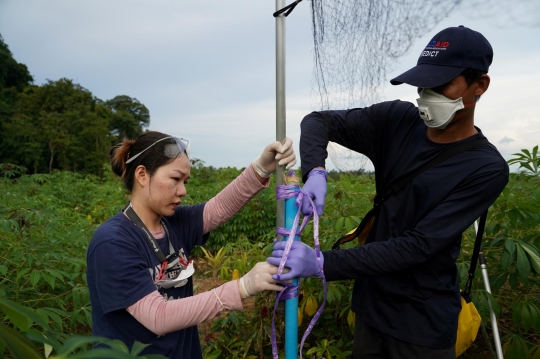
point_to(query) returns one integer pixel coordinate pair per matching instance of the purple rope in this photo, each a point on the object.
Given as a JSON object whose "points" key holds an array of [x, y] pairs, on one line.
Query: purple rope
{"points": [[291, 291]]}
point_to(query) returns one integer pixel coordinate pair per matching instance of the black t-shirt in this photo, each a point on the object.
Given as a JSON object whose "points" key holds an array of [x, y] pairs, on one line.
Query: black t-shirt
{"points": [[406, 279], [122, 269]]}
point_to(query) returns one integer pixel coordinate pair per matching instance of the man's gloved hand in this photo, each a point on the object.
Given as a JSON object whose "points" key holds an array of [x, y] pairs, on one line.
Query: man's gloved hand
{"points": [[302, 261], [259, 278], [315, 187], [265, 164]]}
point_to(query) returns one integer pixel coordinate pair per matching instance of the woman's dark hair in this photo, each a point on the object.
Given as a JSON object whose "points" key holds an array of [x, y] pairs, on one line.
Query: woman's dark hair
{"points": [[471, 75], [152, 159]]}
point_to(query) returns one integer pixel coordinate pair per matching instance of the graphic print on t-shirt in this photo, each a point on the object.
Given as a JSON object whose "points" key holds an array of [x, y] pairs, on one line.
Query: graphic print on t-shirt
{"points": [[177, 276]]}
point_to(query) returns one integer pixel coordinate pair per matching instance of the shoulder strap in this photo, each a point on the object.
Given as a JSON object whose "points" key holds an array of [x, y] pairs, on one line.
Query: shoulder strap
{"points": [[466, 294], [172, 258], [402, 182]]}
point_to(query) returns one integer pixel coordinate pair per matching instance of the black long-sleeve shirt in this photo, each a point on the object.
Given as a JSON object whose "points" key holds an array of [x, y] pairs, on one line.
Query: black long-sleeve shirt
{"points": [[406, 280]]}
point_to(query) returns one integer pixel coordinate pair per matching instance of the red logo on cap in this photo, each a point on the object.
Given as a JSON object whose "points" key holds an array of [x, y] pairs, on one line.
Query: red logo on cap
{"points": [[439, 44]]}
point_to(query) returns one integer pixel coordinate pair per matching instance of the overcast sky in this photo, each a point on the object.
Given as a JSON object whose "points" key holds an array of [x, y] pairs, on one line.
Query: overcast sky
{"points": [[206, 69]]}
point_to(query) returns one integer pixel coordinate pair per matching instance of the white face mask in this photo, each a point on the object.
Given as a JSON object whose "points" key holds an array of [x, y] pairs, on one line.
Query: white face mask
{"points": [[437, 110]]}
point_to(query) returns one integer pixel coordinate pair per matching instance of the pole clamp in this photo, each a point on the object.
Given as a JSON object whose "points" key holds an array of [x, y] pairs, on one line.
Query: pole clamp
{"points": [[289, 8]]}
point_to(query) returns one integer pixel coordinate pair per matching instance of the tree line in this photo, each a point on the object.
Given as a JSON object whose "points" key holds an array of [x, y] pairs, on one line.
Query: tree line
{"points": [[60, 125]]}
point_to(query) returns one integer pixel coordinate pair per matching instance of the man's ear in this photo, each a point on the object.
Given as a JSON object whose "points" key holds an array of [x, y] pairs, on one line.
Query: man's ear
{"points": [[141, 175], [482, 85]]}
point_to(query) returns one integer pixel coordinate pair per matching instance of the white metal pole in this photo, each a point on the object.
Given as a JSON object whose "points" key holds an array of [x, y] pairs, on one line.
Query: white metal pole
{"points": [[280, 105], [291, 305], [493, 317]]}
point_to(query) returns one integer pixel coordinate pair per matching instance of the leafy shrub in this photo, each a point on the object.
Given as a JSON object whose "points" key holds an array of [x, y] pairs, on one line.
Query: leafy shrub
{"points": [[47, 220]]}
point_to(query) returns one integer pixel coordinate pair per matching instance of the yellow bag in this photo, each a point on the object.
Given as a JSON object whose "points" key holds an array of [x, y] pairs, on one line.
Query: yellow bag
{"points": [[468, 325]]}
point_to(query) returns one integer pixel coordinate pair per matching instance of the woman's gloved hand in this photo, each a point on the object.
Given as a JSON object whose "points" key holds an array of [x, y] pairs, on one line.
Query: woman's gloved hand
{"points": [[265, 164], [259, 278], [315, 188], [302, 261]]}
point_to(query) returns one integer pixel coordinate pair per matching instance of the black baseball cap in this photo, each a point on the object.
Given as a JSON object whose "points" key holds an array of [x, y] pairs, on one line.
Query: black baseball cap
{"points": [[446, 56]]}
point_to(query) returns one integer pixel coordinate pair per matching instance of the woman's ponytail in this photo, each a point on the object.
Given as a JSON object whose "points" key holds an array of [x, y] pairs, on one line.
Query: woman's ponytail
{"points": [[119, 155]]}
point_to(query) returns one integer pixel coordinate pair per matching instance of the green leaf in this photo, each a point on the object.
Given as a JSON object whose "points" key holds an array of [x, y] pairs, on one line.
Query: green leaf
{"points": [[499, 281], [76, 296], [506, 260], [79, 341], [349, 224], [88, 316], [534, 352], [233, 318], [495, 241], [138, 347], [522, 264], [527, 166], [15, 309], [516, 347], [39, 337], [18, 346], [102, 353], [51, 313], [339, 224], [525, 243], [22, 273], [16, 314], [534, 259], [49, 278], [510, 246], [56, 274], [214, 355], [118, 346], [34, 277]]}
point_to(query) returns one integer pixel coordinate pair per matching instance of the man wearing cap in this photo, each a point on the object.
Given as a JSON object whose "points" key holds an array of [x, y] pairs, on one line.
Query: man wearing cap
{"points": [[406, 293]]}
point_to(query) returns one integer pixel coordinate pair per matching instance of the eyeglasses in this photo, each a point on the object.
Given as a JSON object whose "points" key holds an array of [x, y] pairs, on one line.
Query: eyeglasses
{"points": [[172, 150]]}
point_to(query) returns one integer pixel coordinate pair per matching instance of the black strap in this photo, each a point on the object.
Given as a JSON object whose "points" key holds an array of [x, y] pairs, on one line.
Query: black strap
{"points": [[172, 258], [402, 182], [349, 237], [289, 8], [466, 294]]}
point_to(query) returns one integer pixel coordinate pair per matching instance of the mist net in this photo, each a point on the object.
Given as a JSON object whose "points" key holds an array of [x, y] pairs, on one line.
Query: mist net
{"points": [[358, 42]]}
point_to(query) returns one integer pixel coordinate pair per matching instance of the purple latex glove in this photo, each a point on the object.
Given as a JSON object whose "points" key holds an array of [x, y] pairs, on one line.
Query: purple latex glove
{"points": [[302, 260], [315, 187]]}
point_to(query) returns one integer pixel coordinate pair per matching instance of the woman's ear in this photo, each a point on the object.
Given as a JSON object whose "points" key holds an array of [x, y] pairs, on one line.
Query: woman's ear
{"points": [[141, 175], [482, 85]]}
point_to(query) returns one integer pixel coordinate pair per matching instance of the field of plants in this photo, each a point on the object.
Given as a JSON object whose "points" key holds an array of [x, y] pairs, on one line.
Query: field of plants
{"points": [[47, 220]]}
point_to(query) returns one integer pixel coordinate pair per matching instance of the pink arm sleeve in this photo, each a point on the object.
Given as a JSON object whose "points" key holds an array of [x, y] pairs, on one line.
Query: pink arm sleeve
{"points": [[231, 199], [161, 316]]}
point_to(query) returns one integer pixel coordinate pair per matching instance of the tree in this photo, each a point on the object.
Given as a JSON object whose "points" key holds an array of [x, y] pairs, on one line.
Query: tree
{"points": [[12, 73], [59, 125], [129, 117], [14, 77]]}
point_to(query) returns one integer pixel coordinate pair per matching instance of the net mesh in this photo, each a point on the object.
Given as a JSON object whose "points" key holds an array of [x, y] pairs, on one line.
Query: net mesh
{"points": [[358, 42]]}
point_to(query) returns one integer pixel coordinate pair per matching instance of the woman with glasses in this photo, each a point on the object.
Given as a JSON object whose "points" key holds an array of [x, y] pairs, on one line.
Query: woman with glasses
{"points": [[139, 273]]}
